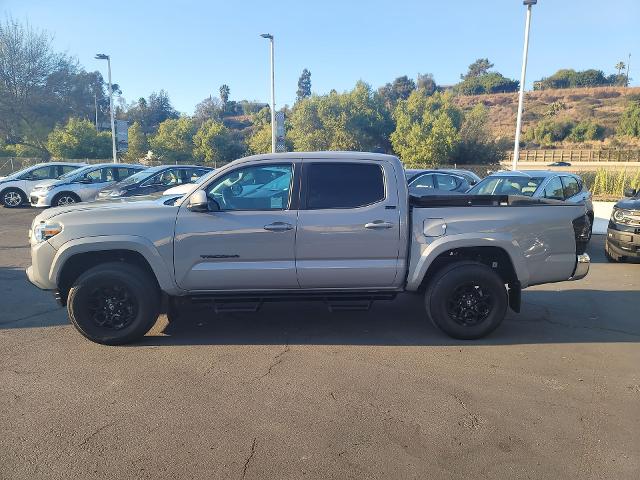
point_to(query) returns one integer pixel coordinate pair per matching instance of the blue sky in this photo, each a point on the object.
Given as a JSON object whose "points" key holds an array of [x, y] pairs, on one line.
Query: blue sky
{"points": [[191, 47]]}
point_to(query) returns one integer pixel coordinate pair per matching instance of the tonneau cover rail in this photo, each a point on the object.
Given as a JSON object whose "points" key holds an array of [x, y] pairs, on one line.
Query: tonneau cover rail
{"points": [[433, 201]]}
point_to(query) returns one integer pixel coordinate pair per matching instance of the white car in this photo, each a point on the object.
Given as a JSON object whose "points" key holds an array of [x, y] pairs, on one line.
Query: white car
{"points": [[14, 188], [81, 185]]}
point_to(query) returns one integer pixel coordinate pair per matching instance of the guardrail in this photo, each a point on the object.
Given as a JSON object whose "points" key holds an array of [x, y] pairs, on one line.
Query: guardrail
{"points": [[570, 155]]}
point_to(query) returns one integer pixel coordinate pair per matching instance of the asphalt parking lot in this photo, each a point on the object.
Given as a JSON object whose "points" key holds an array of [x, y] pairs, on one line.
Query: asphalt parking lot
{"points": [[294, 391]]}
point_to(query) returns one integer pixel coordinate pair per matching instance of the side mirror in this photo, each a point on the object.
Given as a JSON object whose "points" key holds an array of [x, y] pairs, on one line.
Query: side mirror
{"points": [[630, 192], [198, 201]]}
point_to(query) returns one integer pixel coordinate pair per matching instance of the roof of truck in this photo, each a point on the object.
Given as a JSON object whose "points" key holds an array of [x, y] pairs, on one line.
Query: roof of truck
{"points": [[324, 155]]}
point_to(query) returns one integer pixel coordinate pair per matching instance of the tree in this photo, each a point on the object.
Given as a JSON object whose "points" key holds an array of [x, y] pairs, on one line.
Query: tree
{"points": [[151, 113], [214, 143], [208, 109], [586, 130], [40, 88], [304, 85], [355, 120], [78, 139], [426, 129], [138, 143], [174, 140], [478, 68], [224, 94], [260, 140], [620, 66], [427, 83], [475, 144], [400, 89], [630, 121]]}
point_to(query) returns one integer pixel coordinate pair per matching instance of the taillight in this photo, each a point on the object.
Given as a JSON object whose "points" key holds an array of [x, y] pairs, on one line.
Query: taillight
{"points": [[581, 230]]}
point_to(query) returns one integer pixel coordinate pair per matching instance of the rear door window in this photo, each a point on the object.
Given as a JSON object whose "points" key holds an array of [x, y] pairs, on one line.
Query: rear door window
{"points": [[423, 182], [554, 189], [571, 187], [343, 185], [446, 182]]}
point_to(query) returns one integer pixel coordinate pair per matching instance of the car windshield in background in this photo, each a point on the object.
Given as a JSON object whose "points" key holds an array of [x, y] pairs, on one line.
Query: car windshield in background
{"points": [[516, 185], [73, 173], [135, 178]]}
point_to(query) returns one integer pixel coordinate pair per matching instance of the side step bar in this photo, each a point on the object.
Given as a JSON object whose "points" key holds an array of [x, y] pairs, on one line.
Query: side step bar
{"points": [[335, 301]]}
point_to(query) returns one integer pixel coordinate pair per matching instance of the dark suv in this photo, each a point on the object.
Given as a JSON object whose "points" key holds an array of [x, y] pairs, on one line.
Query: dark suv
{"points": [[154, 180], [623, 234]]}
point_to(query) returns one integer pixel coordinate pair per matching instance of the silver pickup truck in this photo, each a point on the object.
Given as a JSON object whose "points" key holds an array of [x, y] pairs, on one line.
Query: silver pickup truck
{"points": [[333, 226]]}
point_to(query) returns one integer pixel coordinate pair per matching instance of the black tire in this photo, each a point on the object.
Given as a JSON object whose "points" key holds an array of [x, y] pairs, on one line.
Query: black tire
{"points": [[466, 300], [13, 198], [65, 198], [114, 303]]}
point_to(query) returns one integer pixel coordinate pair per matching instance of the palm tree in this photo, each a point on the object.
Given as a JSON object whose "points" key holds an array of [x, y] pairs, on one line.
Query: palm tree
{"points": [[620, 66]]}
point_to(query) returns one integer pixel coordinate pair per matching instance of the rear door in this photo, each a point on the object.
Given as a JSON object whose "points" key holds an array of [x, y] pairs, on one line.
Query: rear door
{"points": [[348, 225]]}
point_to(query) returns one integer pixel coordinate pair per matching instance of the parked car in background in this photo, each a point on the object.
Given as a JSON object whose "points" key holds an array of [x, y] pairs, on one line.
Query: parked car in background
{"points": [[15, 188], [563, 186], [426, 182], [184, 188], [154, 180], [623, 234], [560, 164], [81, 185]]}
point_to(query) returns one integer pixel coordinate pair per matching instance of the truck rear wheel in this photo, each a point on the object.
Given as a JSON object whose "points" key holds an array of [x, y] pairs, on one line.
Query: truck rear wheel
{"points": [[114, 303], [466, 300]]}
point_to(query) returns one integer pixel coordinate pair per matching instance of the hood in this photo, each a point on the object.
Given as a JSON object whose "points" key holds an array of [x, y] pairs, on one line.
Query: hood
{"points": [[180, 189], [45, 183], [114, 205], [629, 203]]}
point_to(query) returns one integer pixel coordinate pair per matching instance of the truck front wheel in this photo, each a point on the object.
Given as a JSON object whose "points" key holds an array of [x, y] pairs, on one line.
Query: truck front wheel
{"points": [[466, 300], [114, 303]]}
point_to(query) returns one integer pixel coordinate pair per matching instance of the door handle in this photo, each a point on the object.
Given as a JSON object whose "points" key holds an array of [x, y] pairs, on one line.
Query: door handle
{"points": [[378, 225], [278, 227]]}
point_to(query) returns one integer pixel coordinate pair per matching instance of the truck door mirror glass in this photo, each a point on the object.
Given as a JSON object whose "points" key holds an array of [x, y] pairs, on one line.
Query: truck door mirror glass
{"points": [[198, 202]]}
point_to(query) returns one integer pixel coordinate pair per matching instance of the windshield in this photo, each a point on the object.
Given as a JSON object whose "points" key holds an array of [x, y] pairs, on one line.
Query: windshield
{"points": [[135, 178], [74, 173], [516, 185]]}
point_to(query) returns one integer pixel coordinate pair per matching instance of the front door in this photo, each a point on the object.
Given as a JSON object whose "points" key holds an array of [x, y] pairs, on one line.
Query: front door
{"points": [[348, 225], [248, 244]]}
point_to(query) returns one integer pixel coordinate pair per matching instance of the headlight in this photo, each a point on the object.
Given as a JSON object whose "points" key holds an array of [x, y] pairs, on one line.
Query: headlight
{"points": [[44, 231], [621, 216], [117, 193]]}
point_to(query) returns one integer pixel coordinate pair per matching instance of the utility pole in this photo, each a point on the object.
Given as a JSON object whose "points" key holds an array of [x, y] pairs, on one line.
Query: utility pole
{"points": [[273, 95], [102, 56], [523, 74], [628, 63]]}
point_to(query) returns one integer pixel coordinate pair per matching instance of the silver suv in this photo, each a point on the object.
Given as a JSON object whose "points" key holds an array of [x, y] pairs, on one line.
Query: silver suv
{"points": [[81, 185]]}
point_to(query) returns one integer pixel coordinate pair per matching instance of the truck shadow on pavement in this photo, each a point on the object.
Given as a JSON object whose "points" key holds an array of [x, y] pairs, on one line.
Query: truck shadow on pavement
{"points": [[574, 316]]}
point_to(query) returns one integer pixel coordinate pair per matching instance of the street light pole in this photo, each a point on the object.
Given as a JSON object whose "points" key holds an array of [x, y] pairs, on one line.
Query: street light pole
{"points": [[523, 74], [273, 95], [102, 56]]}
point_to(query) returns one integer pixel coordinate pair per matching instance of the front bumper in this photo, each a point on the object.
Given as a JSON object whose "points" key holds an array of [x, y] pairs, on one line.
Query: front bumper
{"points": [[582, 267], [40, 199], [42, 255], [623, 243]]}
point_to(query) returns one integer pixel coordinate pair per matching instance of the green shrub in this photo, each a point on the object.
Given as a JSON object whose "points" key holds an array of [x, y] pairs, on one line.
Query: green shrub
{"points": [[548, 131], [630, 120], [586, 130]]}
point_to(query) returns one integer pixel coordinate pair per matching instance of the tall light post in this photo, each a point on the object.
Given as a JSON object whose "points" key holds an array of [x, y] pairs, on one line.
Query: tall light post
{"points": [[102, 56], [273, 95], [523, 74]]}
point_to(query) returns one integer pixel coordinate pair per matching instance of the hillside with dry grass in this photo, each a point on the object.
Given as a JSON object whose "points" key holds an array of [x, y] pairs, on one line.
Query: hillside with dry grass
{"points": [[602, 105]]}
